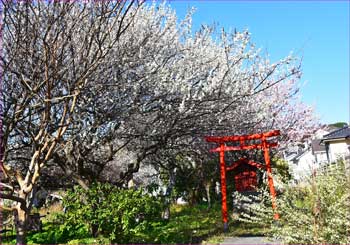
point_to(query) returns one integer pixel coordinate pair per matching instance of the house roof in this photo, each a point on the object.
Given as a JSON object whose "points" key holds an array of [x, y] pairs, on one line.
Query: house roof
{"points": [[338, 134], [299, 155]]}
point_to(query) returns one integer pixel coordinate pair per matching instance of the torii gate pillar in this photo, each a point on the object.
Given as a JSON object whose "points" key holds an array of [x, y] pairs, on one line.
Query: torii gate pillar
{"points": [[269, 178], [223, 187]]}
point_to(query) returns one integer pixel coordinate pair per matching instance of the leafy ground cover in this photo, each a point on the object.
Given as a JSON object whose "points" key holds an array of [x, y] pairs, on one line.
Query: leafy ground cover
{"points": [[197, 224]]}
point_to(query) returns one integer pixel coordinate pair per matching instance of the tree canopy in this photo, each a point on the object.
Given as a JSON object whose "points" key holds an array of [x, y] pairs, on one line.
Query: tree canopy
{"points": [[95, 89]]}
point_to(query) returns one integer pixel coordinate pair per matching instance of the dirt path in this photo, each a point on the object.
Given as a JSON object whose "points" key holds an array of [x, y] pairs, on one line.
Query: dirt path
{"points": [[249, 240]]}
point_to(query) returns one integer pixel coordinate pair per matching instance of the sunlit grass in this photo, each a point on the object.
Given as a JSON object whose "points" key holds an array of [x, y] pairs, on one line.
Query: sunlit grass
{"points": [[187, 224]]}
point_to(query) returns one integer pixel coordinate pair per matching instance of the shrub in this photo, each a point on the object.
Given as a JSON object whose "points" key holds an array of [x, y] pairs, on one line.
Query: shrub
{"points": [[121, 215], [317, 212]]}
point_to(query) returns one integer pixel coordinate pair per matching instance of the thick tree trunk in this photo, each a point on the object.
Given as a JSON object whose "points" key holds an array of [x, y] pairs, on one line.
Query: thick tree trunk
{"points": [[21, 219]]}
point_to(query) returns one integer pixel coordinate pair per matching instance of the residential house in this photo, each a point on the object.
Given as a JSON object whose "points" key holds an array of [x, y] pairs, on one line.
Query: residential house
{"points": [[337, 144], [308, 155]]}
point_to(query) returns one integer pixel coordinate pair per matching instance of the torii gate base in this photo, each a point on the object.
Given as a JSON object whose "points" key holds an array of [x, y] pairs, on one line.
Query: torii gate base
{"points": [[264, 145]]}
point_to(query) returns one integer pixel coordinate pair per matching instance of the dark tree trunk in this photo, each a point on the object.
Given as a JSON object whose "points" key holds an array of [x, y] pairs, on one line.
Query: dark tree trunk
{"points": [[94, 230], [169, 190], [193, 197], [94, 227]]}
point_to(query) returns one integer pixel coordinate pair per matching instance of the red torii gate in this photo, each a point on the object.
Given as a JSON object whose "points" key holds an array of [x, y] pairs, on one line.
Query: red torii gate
{"points": [[264, 145]]}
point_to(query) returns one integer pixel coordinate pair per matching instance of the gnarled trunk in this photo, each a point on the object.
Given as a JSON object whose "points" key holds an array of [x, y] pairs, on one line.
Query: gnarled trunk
{"points": [[21, 220]]}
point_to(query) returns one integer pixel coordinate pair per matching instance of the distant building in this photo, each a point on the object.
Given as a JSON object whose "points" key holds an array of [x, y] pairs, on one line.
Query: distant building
{"points": [[302, 164], [324, 146], [337, 144]]}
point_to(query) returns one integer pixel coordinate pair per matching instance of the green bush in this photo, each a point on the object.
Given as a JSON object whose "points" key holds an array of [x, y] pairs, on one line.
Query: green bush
{"points": [[58, 234], [118, 214]]}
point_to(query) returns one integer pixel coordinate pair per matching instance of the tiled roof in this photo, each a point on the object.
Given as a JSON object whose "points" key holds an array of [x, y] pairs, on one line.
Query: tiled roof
{"points": [[338, 134]]}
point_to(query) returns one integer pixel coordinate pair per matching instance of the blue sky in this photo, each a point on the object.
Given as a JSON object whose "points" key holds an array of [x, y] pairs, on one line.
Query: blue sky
{"points": [[316, 30]]}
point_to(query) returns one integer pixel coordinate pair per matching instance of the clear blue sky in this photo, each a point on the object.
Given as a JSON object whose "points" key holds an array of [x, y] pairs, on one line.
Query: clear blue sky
{"points": [[316, 30]]}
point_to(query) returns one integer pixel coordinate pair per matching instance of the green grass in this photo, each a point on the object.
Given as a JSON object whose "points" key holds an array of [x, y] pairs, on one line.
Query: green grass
{"points": [[196, 224], [236, 228], [190, 224], [199, 224]]}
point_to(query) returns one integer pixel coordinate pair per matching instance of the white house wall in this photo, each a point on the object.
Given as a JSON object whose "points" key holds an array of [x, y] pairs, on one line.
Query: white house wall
{"points": [[304, 166], [321, 157], [338, 149]]}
